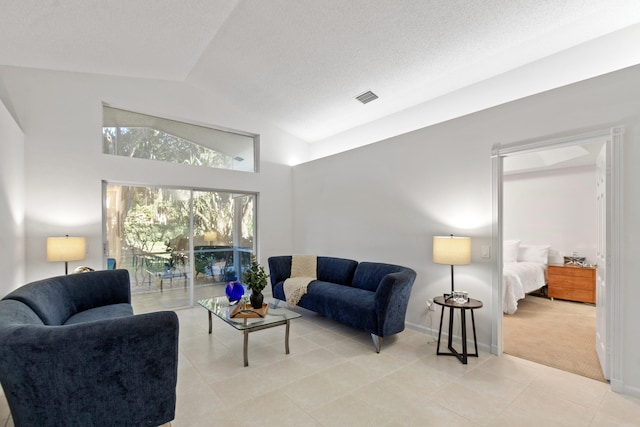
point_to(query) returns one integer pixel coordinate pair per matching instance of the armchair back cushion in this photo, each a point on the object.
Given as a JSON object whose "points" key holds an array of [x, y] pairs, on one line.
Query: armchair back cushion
{"points": [[56, 299]]}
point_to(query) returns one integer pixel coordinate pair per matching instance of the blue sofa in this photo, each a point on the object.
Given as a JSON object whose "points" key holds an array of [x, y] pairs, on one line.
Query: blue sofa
{"points": [[367, 295], [73, 353]]}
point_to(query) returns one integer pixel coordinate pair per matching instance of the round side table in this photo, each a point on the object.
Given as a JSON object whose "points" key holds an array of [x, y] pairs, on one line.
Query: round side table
{"points": [[470, 305]]}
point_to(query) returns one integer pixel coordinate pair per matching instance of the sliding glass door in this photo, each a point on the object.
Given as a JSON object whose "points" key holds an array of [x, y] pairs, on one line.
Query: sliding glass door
{"points": [[178, 244]]}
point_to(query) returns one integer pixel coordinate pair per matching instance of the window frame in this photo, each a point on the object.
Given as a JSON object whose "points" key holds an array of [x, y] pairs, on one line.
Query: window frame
{"points": [[190, 250], [255, 155]]}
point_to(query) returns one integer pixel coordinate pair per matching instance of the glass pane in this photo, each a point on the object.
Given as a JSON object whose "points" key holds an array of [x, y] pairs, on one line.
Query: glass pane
{"points": [[213, 242], [148, 234], [245, 205], [129, 134], [223, 230], [147, 231]]}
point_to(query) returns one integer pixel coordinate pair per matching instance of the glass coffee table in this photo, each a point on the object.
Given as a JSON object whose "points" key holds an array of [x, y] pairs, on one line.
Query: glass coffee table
{"points": [[273, 317]]}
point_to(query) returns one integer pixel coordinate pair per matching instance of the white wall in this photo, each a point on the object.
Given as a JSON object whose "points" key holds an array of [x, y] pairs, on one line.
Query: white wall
{"points": [[61, 114], [555, 207], [631, 267], [385, 201], [12, 203]]}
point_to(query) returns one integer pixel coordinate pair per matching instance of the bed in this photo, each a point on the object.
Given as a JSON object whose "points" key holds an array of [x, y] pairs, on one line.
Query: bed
{"points": [[524, 270]]}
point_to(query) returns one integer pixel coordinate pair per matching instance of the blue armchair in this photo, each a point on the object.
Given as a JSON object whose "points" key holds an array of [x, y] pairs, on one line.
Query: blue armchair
{"points": [[72, 353]]}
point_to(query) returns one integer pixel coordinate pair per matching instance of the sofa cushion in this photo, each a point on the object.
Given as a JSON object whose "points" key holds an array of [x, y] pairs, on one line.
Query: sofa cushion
{"points": [[101, 313], [369, 274], [336, 270], [346, 304], [352, 306]]}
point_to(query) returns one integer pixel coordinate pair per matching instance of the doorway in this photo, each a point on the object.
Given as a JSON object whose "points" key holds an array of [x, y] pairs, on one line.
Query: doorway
{"points": [[609, 241]]}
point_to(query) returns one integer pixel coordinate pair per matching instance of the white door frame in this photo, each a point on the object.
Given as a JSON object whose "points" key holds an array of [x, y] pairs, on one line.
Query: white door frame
{"points": [[613, 139]]}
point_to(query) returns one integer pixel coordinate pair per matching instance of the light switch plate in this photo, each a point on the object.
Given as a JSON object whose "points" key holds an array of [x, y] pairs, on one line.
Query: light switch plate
{"points": [[485, 251]]}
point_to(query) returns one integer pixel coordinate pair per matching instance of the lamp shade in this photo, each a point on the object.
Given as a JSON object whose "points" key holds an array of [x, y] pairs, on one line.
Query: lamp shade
{"points": [[211, 236], [451, 250], [66, 249]]}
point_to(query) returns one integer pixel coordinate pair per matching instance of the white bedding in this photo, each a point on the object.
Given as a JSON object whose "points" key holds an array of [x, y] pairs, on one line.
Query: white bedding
{"points": [[518, 279]]}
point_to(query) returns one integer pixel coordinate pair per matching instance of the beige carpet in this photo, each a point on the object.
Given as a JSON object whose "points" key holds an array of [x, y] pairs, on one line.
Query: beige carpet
{"points": [[560, 334]]}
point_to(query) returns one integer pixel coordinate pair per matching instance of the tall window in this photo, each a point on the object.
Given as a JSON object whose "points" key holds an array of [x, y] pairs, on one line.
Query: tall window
{"points": [[178, 239], [129, 134]]}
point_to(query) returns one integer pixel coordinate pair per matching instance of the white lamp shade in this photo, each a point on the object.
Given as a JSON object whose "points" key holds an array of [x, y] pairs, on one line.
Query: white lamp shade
{"points": [[66, 249], [451, 250]]}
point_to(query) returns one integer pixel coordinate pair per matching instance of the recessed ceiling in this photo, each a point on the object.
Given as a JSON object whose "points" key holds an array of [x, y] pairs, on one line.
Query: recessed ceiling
{"points": [[300, 64]]}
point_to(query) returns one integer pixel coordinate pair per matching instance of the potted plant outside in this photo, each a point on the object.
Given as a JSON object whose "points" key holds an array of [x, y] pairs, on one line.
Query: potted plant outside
{"points": [[230, 274], [256, 279]]}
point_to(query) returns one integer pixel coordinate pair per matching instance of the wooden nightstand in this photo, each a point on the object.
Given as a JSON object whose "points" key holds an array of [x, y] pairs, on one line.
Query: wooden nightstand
{"points": [[572, 283]]}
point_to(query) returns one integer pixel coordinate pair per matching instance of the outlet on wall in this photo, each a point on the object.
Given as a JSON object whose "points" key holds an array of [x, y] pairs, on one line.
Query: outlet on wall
{"points": [[430, 305]]}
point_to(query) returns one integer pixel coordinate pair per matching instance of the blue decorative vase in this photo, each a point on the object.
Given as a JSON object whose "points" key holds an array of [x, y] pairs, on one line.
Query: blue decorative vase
{"points": [[234, 291]]}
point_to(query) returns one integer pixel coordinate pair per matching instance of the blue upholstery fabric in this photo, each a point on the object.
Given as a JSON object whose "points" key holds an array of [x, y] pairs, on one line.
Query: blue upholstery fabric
{"points": [[369, 274], [335, 270], [58, 298], [345, 304], [392, 297], [373, 296], [101, 313], [106, 367], [279, 269], [15, 313]]}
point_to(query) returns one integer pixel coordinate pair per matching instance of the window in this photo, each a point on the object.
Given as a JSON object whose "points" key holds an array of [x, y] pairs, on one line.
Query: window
{"points": [[129, 134], [174, 239]]}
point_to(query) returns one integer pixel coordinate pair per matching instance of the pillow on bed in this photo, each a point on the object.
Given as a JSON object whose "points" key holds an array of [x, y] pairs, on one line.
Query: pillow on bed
{"points": [[510, 250], [534, 253]]}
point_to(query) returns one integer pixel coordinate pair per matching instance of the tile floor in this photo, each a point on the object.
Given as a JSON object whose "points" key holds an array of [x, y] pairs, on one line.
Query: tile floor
{"points": [[333, 377]]}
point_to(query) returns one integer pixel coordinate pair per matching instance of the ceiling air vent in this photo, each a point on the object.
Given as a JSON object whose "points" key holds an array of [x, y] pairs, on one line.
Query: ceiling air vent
{"points": [[366, 97]]}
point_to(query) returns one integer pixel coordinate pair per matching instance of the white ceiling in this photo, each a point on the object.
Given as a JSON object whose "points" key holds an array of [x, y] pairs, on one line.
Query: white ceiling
{"points": [[299, 64]]}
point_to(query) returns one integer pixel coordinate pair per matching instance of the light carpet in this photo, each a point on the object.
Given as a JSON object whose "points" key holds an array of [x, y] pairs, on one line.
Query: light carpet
{"points": [[560, 334]]}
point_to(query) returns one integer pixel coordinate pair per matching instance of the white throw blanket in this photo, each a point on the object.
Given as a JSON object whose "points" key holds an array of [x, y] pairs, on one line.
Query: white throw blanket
{"points": [[303, 271]]}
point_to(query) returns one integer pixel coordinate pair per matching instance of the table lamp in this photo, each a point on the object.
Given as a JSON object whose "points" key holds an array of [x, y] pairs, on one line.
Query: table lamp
{"points": [[65, 249], [452, 251], [211, 236]]}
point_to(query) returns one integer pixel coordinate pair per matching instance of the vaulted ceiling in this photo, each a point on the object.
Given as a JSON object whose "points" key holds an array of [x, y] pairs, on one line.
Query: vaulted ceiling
{"points": [[300, 63]]}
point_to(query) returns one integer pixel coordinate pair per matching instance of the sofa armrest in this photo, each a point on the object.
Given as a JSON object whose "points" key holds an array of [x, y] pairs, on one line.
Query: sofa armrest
{"points": [[279, 269], [120, 371], [391, 300]]}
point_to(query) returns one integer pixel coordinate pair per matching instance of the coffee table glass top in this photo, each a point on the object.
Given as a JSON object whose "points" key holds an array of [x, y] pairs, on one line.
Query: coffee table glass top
{"points": [[221, 308]]}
